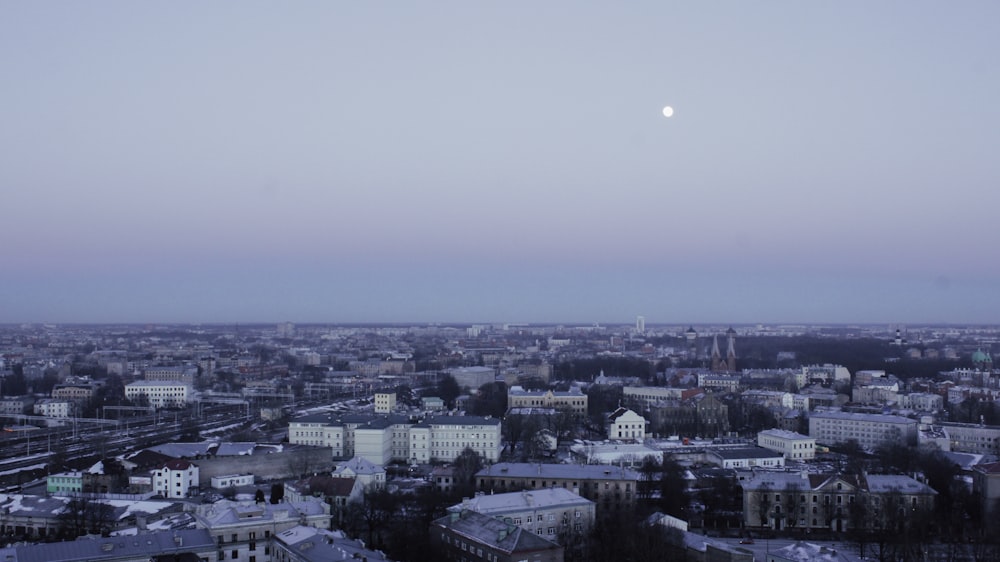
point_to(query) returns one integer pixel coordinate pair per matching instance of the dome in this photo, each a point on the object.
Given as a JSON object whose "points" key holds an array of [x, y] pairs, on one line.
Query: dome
{"points": [[981, 357]]}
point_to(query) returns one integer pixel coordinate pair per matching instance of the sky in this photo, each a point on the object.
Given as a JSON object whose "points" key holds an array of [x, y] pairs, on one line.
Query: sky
{"points": [[499, 161]]}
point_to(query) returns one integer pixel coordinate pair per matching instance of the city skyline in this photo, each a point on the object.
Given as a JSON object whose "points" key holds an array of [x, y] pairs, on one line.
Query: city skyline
{"points": [[446, 162]]}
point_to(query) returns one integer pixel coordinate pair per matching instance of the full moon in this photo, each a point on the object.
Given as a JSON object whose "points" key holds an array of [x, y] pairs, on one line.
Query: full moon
{"points": [[668, 111]]}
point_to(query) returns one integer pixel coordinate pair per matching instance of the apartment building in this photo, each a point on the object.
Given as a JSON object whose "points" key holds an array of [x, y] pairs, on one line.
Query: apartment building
{"points": [[382, 439], [443, 438], [244, 531], [868, 430], [468, 535], [175, 479], [554, 513]]}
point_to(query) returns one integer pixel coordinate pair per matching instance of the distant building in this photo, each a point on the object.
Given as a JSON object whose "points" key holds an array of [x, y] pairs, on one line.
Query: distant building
{"points": [[611, 488], [243, 531], [160, 394], [309, 544], [473, 377], [225, 481], [573, 400]]}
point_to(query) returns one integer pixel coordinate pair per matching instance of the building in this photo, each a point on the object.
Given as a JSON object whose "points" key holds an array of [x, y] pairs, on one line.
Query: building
{"points": [[175, 479], [972, 438], [750, 457], [443, 438], [868, 430], [52, 408], [232, 480], [642, 396], [244, 531], [78, 392], [781, 500], [794, 446], [468, 535], [64, 482], [185, 374], [309, 544], [385, 402], [362, 470], [611, 488], [557, 514], [160, 394], [473, 377], [626, 425], [178, 544], [573, 399], [986, 485]]}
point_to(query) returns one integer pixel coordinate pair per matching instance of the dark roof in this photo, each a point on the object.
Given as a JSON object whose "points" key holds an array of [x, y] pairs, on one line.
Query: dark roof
{"points": [[177, 464], [493, 532], [119, 548], [147, 458]]}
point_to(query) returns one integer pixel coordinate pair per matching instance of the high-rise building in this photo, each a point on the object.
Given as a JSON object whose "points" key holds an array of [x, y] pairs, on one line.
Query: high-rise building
{"points": [[640, 324]]}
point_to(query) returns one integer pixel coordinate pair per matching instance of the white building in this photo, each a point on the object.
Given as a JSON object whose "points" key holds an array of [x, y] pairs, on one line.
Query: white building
{"points": [[573, 399], [553, 513], [473, 377], [626, 425], [161, 394], [385, 402], [751, 457], [53, 408], [175, 479], [869, 430], [794, 446], [220, 482], [365, 472], [647, 395], [443, 438]]}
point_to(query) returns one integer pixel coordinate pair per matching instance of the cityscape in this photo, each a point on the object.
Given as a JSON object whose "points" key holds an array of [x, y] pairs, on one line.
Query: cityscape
{"points": [[506, 282], [551, 442]]}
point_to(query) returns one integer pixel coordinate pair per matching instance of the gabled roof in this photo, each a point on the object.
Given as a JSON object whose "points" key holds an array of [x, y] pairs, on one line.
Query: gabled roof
{"points": [[494, 533]]}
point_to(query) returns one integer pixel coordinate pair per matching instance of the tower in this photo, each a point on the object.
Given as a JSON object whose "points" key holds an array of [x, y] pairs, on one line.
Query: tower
{"points": [[731, 349], [716, 354]]}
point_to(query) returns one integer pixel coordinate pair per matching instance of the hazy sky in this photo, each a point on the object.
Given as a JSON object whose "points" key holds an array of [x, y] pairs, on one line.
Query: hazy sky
{"points": [[506, 161]]}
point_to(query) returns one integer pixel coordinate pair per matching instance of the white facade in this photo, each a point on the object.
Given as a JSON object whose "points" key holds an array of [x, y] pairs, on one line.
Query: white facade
{"points": [[794, 446], [869, 430], [385, 402], [574, 399], [627, 425], [53, 408], [220, 482], [161, 394], [175, 479], [364, 471], [553, 513], [445, 437]]}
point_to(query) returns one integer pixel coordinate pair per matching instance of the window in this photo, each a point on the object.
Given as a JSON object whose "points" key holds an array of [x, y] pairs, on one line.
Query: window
{"points": [[236, 554]]}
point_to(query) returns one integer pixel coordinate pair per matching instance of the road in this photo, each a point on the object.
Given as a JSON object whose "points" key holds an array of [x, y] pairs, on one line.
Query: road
{"points": [[761, 547]]}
